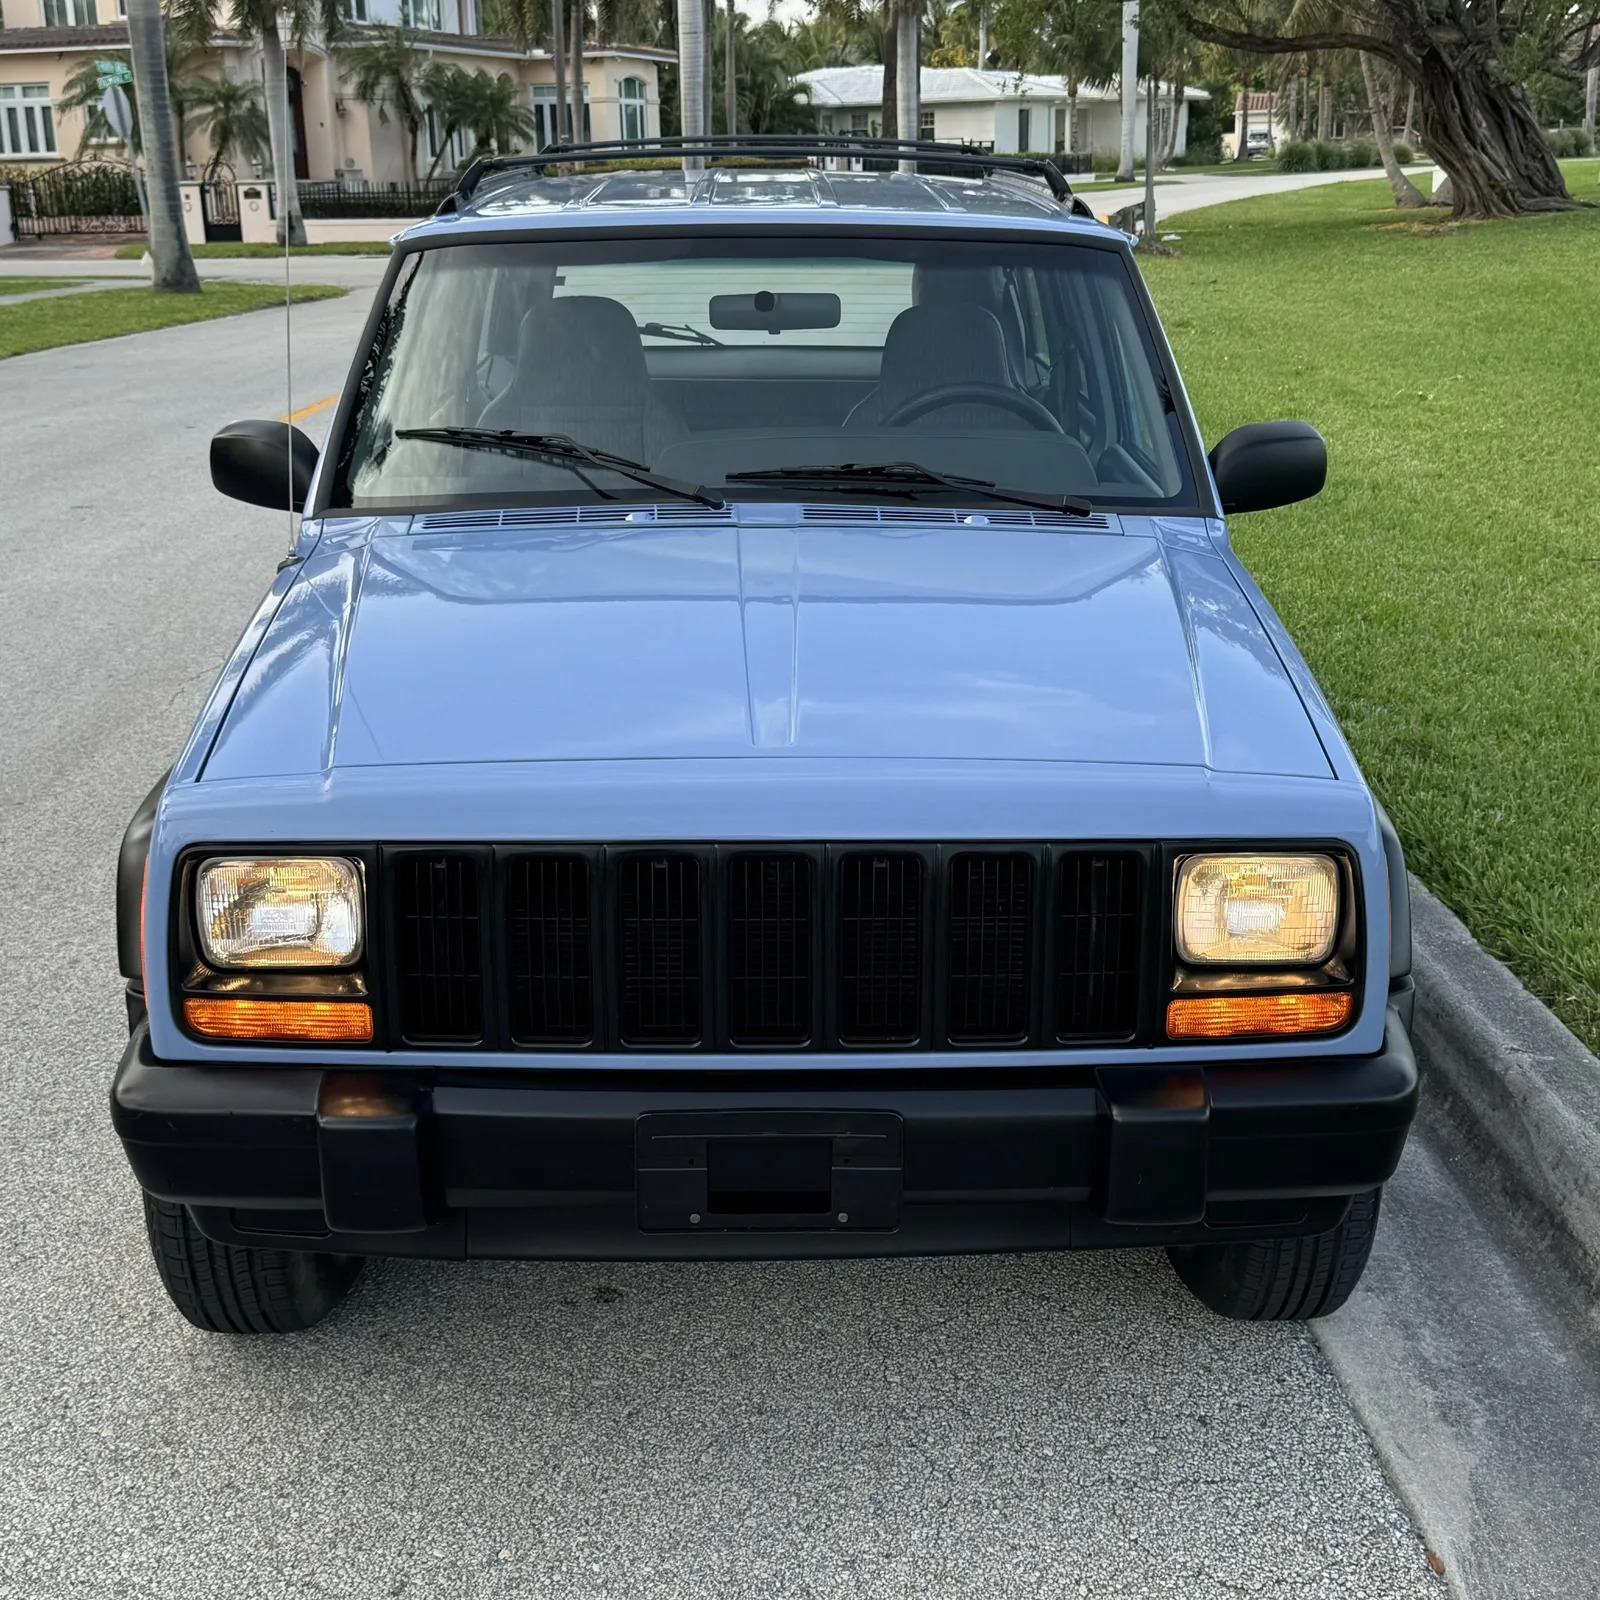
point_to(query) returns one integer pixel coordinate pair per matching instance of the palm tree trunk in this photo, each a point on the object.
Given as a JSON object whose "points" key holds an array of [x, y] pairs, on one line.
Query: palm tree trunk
{"points": [[691, 78], [1152, 95], [906, 79], [710, 77], [1406, 193], [1241, 122], [1407, 131], [558, 56], [730, 77], [890, 51], [1169, 134], [579, 133], [1129, 86], [1072, 112], [173, 266], [291, 225]]}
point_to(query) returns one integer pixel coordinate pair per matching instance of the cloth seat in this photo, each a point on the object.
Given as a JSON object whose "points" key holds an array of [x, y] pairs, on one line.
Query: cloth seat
{"points": [[930, 346], [581, 371]]}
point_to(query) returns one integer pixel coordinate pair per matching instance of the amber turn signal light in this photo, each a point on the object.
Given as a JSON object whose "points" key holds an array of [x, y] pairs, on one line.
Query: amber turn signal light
{"points": [[1222, 1016], [295, 1021]]}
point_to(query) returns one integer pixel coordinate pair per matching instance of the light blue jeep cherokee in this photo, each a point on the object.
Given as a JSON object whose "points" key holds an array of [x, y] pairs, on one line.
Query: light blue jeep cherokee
{"points": [[763, 748]]}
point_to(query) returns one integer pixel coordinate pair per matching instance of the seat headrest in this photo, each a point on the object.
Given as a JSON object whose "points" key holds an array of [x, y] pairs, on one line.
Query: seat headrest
{"points": [[588, 338], [930, 346]]}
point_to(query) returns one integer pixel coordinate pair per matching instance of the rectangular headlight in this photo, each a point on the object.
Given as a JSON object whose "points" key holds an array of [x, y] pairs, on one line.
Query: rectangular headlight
{"points": [[1236, 910], [279, 911]]}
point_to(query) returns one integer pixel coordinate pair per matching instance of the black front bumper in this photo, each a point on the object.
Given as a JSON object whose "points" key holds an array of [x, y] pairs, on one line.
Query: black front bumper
{"points": [[521, 1165]]}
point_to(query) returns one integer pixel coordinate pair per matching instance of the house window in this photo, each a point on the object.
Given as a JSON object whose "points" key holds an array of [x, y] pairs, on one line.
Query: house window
{"points": [[70, 14], [924, 124], [421, 14], [27, 127], [1024, 128], [630, 98], [354, 10], [544, 114], [859, 123]]}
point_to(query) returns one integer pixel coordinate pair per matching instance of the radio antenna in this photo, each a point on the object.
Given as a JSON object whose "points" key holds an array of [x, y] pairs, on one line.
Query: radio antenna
{"points": [[285, 212]]}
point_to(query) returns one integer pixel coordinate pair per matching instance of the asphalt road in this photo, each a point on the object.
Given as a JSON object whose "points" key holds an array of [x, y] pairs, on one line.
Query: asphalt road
{"points": [[1035, 1426]]}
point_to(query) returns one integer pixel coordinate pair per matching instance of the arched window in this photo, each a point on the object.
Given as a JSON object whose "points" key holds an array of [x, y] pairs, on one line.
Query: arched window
{"points": [[630, 98]]}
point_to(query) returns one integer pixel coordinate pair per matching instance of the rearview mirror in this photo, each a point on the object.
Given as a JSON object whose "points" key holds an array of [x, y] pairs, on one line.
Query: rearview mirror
{"points": [[774, 313], [264, 464], [1267, 464]]}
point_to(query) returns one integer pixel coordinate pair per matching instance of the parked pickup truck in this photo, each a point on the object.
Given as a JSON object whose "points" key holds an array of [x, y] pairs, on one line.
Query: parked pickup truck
{"points": [[762, 747]]}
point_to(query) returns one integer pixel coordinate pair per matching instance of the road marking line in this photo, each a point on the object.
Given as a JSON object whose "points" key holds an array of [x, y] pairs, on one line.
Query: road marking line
{"points": [[312, 409]]}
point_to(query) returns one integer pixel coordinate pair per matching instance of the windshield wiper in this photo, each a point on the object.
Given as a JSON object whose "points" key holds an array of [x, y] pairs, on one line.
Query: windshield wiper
{"points": [[566, 450], [906, 478], [678, 330]]}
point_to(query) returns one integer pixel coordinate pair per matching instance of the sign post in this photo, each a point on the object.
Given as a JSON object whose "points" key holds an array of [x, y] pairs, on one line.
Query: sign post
{"points": [[114, 107]]}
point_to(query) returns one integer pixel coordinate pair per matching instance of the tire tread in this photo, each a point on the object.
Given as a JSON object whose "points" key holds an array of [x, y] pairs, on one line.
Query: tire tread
{"points": [[225, 1288], [1283, 1280]]}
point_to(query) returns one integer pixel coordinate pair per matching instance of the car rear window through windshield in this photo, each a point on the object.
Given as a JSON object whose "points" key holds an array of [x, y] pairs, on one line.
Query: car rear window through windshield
{"points": [[1029, 366]]}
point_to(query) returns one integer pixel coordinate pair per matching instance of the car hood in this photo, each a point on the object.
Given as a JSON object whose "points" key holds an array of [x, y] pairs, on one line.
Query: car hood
{"points": [[1127, 643]]}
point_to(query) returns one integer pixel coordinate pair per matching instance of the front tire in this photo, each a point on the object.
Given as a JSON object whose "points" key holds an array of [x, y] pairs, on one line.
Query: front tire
{"points": [[225, 1288], [1282, 1280]]}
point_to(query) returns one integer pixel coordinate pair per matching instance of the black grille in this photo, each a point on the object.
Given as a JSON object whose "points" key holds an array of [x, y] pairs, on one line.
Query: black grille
{"points": [[1099, 915], [768, 947], [989, 958], [770, 990], [658, 944], [549, 950], [438, 949], [880, 949]]}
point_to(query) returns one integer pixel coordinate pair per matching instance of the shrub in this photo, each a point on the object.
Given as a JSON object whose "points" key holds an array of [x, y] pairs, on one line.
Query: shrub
{"points": [[1201, 153], [1104, 163], [1361, 153], [1565, 143], [1404, 154], [1297, 155], [1331, 157]]}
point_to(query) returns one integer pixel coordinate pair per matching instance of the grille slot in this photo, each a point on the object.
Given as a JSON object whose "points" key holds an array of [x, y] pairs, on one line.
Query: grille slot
{"points": [[661, 999], [1099, 911], [549, 950], [989, 951], [880, 949], [770, 987], [438, 949]]}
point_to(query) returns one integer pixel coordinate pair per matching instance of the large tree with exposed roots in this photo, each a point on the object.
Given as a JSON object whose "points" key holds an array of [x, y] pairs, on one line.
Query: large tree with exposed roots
{"points": [[1468, 60]]}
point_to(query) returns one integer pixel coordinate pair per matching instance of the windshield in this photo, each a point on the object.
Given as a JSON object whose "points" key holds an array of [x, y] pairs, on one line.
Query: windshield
{"points": [[732, 363]]}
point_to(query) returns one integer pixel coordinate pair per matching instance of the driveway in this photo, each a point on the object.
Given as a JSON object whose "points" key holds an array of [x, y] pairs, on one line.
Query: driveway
{"points": [[1181, 191]]}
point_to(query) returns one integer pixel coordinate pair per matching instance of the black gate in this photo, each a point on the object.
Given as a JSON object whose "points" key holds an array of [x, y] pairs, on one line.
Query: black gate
{"points": [[78, 197], [219, 206]]}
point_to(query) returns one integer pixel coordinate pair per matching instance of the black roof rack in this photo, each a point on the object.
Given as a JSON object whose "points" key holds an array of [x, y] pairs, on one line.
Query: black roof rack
{"points": [[778, 146]]}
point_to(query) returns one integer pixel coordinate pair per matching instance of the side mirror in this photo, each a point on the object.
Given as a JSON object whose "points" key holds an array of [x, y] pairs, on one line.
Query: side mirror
{"points": [[264, 464], [1267, 464]]}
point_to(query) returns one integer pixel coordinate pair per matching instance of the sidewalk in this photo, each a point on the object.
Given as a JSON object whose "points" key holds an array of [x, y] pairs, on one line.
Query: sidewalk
{"points": [[1178, 192]]}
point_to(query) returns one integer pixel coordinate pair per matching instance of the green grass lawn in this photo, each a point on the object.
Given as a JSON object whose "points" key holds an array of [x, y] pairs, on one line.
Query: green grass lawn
{"points": [[79, 318], [1445, 586], [11, 286], [233, 250]]}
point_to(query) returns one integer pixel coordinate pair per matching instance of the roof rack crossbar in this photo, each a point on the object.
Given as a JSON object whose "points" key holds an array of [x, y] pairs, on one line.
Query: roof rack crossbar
{"points": [[803, 146]]}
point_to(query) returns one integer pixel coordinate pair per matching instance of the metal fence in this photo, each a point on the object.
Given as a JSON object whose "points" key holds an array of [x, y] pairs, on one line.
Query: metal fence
{"points": [[334, 199], [79, 197]]}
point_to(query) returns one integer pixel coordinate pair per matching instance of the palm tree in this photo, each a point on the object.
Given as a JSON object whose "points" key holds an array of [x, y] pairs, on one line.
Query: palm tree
{"points": [[198, 20], [388, 72], [498, 114], [229, 113], [172, 265], [1080, 39], [692, 76]]}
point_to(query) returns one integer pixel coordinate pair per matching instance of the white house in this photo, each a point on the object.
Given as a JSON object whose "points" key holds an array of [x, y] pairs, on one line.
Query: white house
{"points": [[1002, 111]]}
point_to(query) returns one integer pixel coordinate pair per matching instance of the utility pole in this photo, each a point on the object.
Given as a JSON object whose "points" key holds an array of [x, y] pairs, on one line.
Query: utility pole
{"points": [[558, 55], [1130, 87], [1152, 91], [172, 267]]}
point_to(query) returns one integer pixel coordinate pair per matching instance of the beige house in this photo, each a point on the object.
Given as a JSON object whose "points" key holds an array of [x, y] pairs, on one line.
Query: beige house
{"points": [[42, 42]]}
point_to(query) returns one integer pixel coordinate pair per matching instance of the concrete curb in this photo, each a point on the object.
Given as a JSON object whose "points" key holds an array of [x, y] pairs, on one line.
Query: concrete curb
{"points": [[1504, 1075]]}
